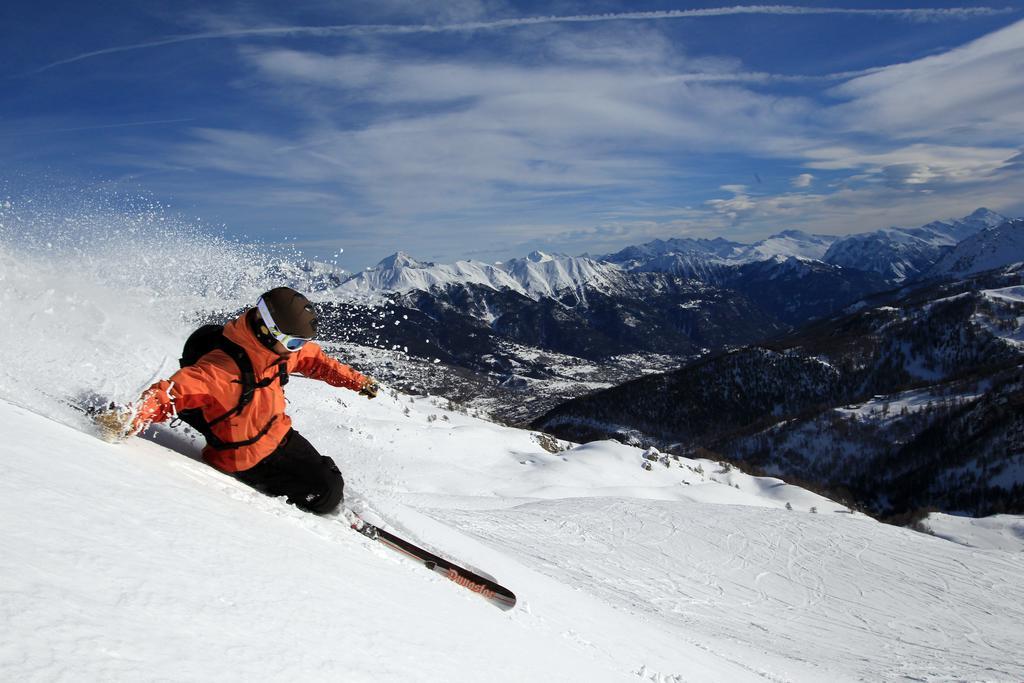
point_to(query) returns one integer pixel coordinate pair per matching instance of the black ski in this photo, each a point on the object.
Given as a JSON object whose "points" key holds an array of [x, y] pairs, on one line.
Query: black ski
{"points": [[481, 585]]}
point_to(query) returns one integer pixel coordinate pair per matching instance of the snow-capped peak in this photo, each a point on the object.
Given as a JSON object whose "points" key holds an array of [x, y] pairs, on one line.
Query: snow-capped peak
{"points": [[788, 243], [987, 216], [539, 257], [400, 260], [402, 273], [544, 275]]}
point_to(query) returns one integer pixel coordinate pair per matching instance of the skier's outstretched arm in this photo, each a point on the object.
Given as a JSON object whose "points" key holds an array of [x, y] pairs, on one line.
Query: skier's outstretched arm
{"points": [[316, 364], [191, 387]]}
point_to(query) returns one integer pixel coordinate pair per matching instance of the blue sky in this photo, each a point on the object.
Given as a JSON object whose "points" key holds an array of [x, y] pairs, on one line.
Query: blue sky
{"points": [[485, 129]]}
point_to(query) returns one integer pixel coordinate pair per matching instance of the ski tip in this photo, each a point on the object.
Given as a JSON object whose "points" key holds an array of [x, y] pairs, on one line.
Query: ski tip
{"points": [[494, 592], [484, 586], [506, 603]]}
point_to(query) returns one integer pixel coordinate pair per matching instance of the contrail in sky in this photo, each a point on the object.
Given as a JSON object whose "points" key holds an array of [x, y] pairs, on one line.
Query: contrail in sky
{"points": [[917, 14], [97, 127]]}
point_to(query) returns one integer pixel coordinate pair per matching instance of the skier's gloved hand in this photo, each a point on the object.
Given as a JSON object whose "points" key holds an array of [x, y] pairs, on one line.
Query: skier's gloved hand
{"points": [[116, 423], [369, 388]]}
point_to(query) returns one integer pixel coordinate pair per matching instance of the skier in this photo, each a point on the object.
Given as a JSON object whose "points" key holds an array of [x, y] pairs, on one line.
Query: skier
{"points": [[231, 390]]}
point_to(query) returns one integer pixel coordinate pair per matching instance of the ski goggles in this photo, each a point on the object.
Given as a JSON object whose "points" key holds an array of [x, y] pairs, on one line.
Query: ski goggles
{"points": [[290, 342]]}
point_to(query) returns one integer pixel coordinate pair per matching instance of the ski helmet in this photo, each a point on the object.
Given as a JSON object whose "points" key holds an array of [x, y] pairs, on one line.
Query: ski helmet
{"points": [[289, 316]]}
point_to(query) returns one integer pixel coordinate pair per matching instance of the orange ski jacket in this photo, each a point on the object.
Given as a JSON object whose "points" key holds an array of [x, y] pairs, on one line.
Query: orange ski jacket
{"points": [[213, 385]]}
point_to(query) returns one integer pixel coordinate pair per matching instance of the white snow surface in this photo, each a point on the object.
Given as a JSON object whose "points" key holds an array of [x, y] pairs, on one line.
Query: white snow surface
{"points": [[1015, 293], [1007, 320], [137, 562], [998, 532]]}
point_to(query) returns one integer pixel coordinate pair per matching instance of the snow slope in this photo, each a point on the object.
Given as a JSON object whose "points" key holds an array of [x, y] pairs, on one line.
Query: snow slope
{"points": [[132, 563], [991, 248], [136, 561], [998, 532]]}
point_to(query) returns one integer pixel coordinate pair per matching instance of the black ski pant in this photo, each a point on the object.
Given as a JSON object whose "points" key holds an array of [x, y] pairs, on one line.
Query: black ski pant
{"points": [[295, 469]]}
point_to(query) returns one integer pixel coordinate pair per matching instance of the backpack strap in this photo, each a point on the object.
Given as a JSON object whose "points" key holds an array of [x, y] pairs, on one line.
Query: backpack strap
{"points": [[247, 378]]}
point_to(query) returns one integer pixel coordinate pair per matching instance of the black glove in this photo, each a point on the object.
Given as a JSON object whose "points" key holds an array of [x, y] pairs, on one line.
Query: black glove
{"points": [[369, 388], [116, 423]]}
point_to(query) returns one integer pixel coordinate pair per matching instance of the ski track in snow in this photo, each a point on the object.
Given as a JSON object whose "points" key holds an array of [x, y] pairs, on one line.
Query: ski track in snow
{"points": [[136, 562], [855, 599]]}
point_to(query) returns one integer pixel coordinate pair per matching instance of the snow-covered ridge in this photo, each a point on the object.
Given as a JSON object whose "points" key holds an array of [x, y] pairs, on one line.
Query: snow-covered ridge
{"points": [[994, 247], [536, 276], [896, 253], [400, 272], [636, 257], [541, 275], [786, 243], [901, 254], [998, 532], [703, 259]]}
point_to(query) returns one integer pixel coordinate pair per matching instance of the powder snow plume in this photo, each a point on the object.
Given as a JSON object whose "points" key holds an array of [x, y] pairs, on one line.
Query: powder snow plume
{"points": [[96, 288]]}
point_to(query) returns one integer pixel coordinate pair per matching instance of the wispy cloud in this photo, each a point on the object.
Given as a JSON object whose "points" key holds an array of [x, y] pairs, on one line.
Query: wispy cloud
{"points": [[912, 14], [951, 163], [436, 80], [470, 143], [463, 136], [737, 207], [973, 93], [554, 105], [584, 138]]}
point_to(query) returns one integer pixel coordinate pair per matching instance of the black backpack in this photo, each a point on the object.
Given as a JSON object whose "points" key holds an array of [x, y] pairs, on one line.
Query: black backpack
{"points": [[209, 338]]}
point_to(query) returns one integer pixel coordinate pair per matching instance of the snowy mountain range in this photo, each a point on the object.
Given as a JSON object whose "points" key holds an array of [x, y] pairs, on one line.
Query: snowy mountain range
{"points": [[896, 254], [536, 276], [531, 325], [540, 275]]}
